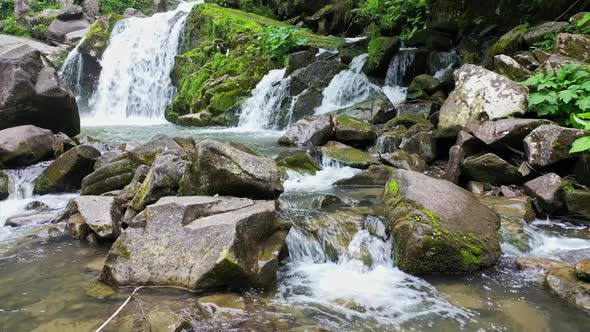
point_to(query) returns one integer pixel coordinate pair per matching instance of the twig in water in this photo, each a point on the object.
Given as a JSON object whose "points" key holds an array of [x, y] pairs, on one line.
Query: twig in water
{"points": [[118, 310]]}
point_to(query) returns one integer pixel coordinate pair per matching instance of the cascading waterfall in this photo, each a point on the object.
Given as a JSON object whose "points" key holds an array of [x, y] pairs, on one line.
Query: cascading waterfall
{"points": [[71, 70], [348, 88], [258, 110], [396, 72], [134, 87]]}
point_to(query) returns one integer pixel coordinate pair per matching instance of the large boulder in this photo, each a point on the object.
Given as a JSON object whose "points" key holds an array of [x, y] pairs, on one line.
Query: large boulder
{"points": [[347, 155], [65, 174], [200, 243], [575, 46], [33, 94], [309, 131], [59, 28], [100, 215], [506, 132], [422, 143], [25, 145], [318, 74], [577, 202], [354, 132], [549, 144], [439, 227], [478, 91], [375, 175], [538, 32], [223, 169], [490, 168], [547, 190]]}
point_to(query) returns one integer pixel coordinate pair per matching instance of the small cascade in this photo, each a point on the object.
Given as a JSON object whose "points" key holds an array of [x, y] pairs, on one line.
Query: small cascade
{"points": [[441, 64], [348, 88], [322, 180], [71, 70], [399, 66], [134, 87], [266, 100]]}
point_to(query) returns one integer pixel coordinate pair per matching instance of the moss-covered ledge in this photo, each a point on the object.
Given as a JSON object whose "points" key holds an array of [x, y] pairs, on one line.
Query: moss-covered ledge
{"points": [[222, 60]]}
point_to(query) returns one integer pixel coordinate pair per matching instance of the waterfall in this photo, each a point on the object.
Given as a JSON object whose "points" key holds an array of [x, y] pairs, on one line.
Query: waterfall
{"points": [[258, 110], [398, 67], [71, 70], [322, 180], [134, 87], [348, 88]]}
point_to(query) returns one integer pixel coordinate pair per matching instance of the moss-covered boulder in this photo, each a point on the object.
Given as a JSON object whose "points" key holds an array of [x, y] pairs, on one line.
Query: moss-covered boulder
{"points": [[354, 132], [375, 175], [97, 37], [422, 143], [381, 50], [224, 57], [439, 227], [65, 174], [347, 155], [508, 44], [200, 243], [299, 162], [490, 168], [575, 46], [507, 66], [403, 160]]}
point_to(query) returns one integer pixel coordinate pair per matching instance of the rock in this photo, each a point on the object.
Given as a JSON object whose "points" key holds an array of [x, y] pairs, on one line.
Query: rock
{"points": [[564, 283], [423, 144], [456, 157], [554, 62], [65, 174], [577, 202], [507, 66], [403, 160], [58, 29], [99, 290], [424, 109], [536, 264], [406, 120], [225, 170], [479, 91], [313, 131], [375, 175], [547, 190], [506, 132], [200, 243], [470, 145], [390, 140], [299, 60], [29, 219], [456, 234], [33, 94], [101, 214], [538, 32], [575, 46], [576, 18], [194, 119], [91, 7], [382, 49], [3, 185], [163, 179], [63, 144], [583, 269], [299, 162], [426, 83], [318, 73], [347, 156], [328, 201], [70, 14], [25, 145], [528, 60], [97, 38], [306, 104], [518, 207], [548, 144], [508, 43], [354, 132], [21, 8], [132, 12], [490, 168]]}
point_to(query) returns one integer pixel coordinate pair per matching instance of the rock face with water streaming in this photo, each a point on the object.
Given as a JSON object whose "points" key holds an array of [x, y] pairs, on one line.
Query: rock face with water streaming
{"points": [[200, 243], [33, 94], [454, 235]]}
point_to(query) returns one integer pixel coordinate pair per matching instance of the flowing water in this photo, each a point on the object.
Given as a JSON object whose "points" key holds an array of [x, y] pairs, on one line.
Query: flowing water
{"points": [[340, 274]]}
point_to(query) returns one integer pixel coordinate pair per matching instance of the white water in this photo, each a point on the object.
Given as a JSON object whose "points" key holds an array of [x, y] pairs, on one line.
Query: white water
{"points": [[348, 88], [398, 66], [71, 70], [258, 110], [134, 87], [322, 180]]}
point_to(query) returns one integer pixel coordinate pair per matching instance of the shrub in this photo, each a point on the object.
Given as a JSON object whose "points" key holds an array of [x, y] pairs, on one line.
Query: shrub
{"points": [[563, 96], [39, 31], [408, 16], [119, 6], [11, 27], [279, 41]]}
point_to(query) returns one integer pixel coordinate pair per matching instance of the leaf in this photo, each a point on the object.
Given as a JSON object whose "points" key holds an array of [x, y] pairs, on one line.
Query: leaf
{"points": [[581, 144], [567, 95], [583, 20], [584, 103], [583, 123]]}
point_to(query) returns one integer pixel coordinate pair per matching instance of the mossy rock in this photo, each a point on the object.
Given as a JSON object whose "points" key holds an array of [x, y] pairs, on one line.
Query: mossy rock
{"points": [[407, 120], [508, 44], [299, 162], [97, 37], [347, 155], [3, 185], [222, 61]]}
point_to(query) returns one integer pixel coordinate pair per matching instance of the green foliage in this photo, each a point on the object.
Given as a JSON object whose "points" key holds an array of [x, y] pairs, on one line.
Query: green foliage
{"points": [[11, 27], [119, 6], [40, 5], [563, 96], [6, 9], [406, 16], [548, 41], [279, 41], [39, 31]]}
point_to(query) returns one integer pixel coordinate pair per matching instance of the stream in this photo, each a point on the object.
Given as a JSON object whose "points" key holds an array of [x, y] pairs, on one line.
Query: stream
{"points": [[340, 274]]}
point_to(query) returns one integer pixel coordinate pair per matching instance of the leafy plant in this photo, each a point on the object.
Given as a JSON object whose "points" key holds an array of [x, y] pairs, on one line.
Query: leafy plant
{"points": [[407, 16], [119, 6], [11, 27], [6, 9], [563, 96], [40, 5], [549, 39], [279, 41]]}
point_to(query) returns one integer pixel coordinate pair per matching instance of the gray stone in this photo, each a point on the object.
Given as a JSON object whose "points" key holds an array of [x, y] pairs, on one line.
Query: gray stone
{"points": [[575, 46], [547, 190], [313, 131], [375, 175], [507, 132], [319, 74], [101, 214], [538, 32], [25, 145], [132, 12], [30, 219], [490, 168], [58, 29], [200, 243], [127, 193], [479, 91], [548, 144], [354, 132], [91, 7], [555, 62], [507, 66], [347, 156], [456, 157], [423, 144], [564, 282], [403, 160]]}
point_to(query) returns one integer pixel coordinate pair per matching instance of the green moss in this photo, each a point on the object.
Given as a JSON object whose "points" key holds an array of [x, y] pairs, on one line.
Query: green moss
{"points": [[510, 42], [407, 120], [393, 187]]}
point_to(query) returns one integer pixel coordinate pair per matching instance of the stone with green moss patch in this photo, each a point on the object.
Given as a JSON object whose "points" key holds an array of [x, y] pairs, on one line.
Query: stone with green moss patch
{"points": [[347, 155]]}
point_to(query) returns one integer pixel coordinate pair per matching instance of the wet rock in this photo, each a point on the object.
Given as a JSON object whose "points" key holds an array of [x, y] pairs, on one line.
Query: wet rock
{"points": [[457, 234], [25, 145], [3, 185], [547, 190], [537, 264], [299, 60], [490, 168], [554, 62], [319, 74], [426, 83], [101, 214], [538, 32], [403, 160], [132, 12], [507, 66], [389, 140], [478, 91], [99, 290], [464, 296], [299, 162], [65, 174], [583, 269], [456, 157], [548, 144], [309, 131], [33, 94], [519, 207], [225, 170], [509, 43], [347, 156], [328, 201], [382, 50], [200, 119], [423, 144], [35, 218], [577, 202], [424, 109], [163, 179], [575, 46], [306, 104], [407, 120], [506, 132], [375, 175], [175, 246], [354, 132], [565, 284], [63, 144]]}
